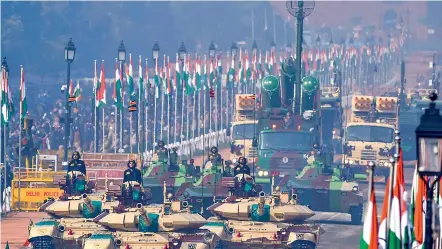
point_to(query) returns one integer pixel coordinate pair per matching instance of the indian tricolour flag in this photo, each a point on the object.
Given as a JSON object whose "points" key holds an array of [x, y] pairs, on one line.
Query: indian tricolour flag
{"points": [[395, 238], [101, 91], [23, 102], [74, 92], [417, 210], [130, 78], [369, 237], [382, 232], [177, 80], [140, 80], [117, 87]]}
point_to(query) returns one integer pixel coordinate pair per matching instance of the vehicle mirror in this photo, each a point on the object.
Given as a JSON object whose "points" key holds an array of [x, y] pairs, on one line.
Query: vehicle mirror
{"points": [[254, 142]]}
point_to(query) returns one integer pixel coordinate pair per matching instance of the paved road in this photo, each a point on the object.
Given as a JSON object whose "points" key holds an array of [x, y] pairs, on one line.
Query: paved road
{"points": [[339, 233]]}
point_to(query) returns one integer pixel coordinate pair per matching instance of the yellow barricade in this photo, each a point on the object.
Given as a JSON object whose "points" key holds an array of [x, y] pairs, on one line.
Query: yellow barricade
{"points": [[35, 187]]}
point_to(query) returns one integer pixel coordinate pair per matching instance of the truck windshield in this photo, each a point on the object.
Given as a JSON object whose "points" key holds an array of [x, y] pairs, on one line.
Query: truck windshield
{"points": [[285, 141], [368, 133], [244, 131]]}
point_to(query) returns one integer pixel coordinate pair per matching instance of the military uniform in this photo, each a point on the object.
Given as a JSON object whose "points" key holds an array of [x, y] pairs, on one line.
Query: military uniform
{"points": [[132, 174], [163, 153], [77, 165]]}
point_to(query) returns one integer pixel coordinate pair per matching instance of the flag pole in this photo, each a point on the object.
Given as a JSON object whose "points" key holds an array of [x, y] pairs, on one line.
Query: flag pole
{"points": [[95, 108], [168, 79], [146, 107], [20, 145], [122, 105], [155, 119], [176, 104]]}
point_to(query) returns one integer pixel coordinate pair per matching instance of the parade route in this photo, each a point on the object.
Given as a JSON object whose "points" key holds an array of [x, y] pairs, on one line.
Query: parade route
{"points": [[14, 228]]}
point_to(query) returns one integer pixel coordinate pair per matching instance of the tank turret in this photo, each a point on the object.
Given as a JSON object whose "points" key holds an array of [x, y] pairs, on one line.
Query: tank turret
{"points": [[84, 206], [261, 209], [167, 217]]}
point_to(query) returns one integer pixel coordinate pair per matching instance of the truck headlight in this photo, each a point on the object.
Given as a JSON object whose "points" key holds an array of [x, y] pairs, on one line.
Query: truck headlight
{"points": [[260, 173], [266, 173], [351, 162], [346, 161], [355, 189]]}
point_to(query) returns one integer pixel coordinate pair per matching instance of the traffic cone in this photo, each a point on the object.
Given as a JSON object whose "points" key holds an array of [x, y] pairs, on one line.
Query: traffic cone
{"points": [[7, 245]]}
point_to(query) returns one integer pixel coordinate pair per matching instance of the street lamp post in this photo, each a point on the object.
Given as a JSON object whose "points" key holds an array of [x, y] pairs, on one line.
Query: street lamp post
{"points": [[121, 58], [429, 147], [69, 56], [155, 56]]}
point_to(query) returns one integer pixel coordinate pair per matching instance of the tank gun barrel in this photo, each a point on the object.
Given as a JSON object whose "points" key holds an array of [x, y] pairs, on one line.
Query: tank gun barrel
{"points": [[143, 215], [88, 203]]}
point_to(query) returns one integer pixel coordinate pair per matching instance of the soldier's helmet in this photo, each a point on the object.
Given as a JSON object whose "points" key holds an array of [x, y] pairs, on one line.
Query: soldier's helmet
{"points": [[192, 161], [161, 143], [242, 160], [174, 149], [132, 164], [214, 150], [76, 153]]}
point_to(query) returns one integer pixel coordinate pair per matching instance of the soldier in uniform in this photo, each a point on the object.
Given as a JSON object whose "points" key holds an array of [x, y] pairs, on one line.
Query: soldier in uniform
{"points": [[132, 174], [190, 168], [76, 164], [132, 182], [163, 152], [173, 162], [215, 157]]}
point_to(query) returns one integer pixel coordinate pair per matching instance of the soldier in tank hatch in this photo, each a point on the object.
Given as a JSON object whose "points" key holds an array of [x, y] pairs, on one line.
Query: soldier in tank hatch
{"points": [[76, 164], [132, 174]]}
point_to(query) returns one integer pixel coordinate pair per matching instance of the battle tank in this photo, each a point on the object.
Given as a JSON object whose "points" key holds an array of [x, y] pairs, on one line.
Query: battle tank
{"points": [[71, 221], [321, 188], [145, 240], [262, 221], [170, 225], [165, 168], [72, 217]]}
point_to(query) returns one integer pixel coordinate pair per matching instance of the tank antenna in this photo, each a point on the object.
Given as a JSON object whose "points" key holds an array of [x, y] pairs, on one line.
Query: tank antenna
{"points": [[164, 192]]}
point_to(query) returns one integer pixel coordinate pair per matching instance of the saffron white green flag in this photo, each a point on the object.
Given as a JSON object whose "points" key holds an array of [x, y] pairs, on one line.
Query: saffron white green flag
{"points": [[23, 102], [369, 236]]}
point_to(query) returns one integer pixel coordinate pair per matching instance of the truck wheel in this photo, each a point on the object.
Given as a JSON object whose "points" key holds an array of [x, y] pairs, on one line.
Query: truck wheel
{"points": [[356, 214]]}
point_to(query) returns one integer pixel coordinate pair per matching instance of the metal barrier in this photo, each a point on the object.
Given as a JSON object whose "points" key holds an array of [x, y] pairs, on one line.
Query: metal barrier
{"points": [[34, 188]]}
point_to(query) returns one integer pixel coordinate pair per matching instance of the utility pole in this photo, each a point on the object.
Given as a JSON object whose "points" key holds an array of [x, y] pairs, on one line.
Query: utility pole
{"points": [[300, 10]]}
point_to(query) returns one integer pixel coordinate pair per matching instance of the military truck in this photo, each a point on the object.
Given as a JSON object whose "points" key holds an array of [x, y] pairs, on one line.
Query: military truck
{"points": [[369, 136], [244, 128], [332, 113], [410, 113], [288, 137]]}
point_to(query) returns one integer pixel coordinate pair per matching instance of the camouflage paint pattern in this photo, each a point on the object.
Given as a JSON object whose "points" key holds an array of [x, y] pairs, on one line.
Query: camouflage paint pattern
{"points": [[322, 191], [157, 173]]}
